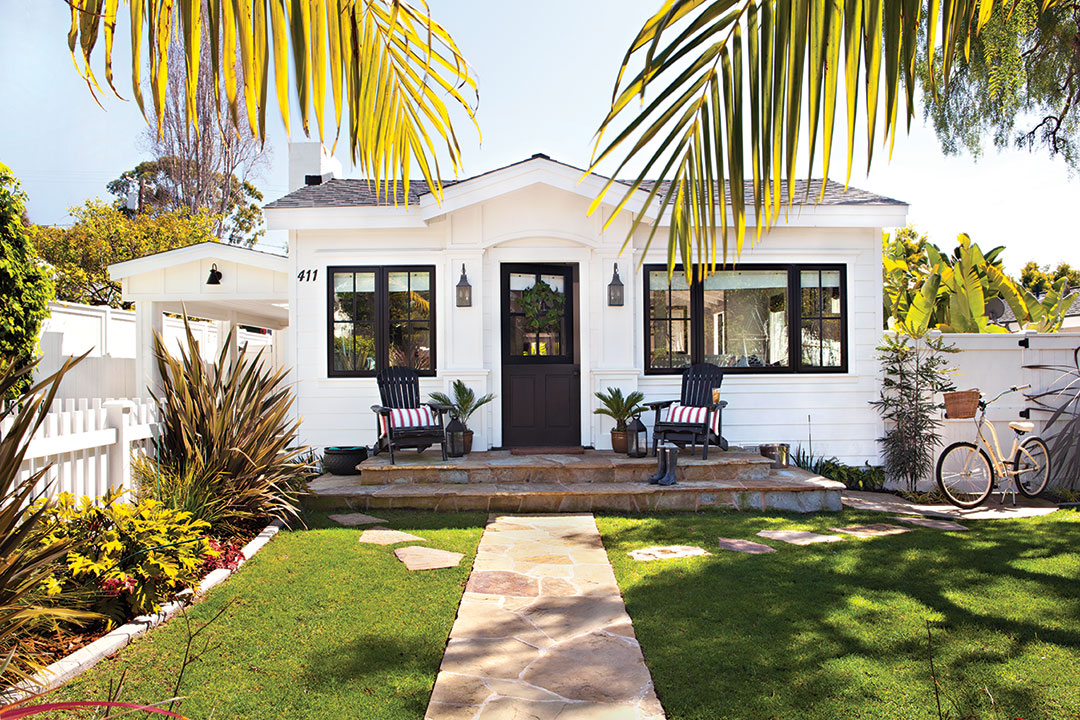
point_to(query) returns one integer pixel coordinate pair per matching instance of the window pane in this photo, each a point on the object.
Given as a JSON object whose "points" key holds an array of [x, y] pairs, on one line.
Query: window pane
{"points": [[830, 293], [811, 293], [410, 345], [811, 343], [364, 308], [420, 289], [519, 282], [669, 313], [822, 343], [344, 355], [364, 342], [746, 318], [659, 356]]}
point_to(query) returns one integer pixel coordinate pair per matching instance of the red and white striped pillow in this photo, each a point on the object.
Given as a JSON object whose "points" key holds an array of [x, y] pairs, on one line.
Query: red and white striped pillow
{"points": [[408, 417], [685, 414]]}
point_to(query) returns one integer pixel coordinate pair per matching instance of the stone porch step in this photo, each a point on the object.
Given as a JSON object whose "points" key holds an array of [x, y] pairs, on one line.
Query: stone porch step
{"points": [[593, 466], [789, 489]]}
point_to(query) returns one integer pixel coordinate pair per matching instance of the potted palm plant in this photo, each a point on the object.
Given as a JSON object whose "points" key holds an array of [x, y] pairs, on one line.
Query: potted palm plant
{"points": [[620, 409], [464, 403]]}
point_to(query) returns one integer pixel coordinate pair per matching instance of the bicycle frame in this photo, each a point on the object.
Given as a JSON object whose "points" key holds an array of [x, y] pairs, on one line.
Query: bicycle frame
{"points": [[1002, 470]]}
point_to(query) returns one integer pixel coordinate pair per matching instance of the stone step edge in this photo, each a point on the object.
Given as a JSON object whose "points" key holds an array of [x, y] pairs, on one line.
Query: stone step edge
{"points": [[417, 490]]}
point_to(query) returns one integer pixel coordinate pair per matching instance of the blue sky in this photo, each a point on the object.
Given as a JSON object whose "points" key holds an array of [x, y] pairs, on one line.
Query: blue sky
{"points": [[545, 72]]}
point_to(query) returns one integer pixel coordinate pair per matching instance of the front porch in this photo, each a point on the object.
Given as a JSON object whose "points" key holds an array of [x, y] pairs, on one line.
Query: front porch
{"points": [[498, 481]]}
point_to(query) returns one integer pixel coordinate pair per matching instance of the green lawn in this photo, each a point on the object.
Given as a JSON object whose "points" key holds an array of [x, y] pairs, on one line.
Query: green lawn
{"points": [[838, 631], [317, 626]]}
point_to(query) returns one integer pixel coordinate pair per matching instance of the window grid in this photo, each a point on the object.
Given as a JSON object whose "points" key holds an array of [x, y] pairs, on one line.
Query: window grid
{"points": [[795, 321], [380, 324]]}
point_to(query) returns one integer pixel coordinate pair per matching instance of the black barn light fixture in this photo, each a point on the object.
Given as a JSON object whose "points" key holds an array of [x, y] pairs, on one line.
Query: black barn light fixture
{"points": [[615, 289], [215, 276], [464, 290]]}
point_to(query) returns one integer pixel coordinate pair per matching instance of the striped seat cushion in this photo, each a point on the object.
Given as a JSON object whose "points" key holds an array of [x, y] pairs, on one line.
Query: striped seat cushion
{"points": [[408, 418], [686, 415]]}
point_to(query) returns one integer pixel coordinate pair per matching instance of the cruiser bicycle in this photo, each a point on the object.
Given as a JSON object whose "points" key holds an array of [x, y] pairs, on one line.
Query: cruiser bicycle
{"points": [[967, 472]]}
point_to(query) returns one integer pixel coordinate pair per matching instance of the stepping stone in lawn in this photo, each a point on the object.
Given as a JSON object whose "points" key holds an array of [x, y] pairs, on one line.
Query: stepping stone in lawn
{"points": [[666, 552], [744, 546], [932, 523], [354, 519], [386, 536], [798, 537], [417, 557], [873, 530]]}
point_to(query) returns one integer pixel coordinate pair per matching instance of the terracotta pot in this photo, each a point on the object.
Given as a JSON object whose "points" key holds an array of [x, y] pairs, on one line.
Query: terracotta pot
{"points": [[468, 441], [618, 441]]}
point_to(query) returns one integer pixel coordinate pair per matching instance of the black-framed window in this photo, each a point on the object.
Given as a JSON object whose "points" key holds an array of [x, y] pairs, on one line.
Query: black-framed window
{"points": [[753, 319], [381, 317]]}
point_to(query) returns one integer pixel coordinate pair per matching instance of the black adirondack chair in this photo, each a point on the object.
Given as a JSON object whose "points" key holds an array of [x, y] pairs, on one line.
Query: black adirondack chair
{"points": [[698, 383], [399, 389]]}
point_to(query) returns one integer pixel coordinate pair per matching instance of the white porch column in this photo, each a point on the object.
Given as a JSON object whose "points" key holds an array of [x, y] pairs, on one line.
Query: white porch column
{"points": [[148, 320]]}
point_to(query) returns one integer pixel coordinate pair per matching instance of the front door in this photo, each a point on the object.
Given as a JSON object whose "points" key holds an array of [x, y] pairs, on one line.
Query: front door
{"points": [[541, 387]]}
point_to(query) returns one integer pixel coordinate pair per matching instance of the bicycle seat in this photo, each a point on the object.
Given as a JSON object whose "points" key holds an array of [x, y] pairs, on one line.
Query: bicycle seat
{"points": [[1022, 427]]}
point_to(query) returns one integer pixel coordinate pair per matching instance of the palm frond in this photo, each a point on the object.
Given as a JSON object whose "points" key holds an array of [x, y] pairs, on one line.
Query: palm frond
{"points": [[396, 71], [692, 57]]}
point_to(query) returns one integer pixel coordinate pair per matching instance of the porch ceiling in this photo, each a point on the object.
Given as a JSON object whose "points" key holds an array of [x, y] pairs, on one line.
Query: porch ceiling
{"points": [[259, 313]]}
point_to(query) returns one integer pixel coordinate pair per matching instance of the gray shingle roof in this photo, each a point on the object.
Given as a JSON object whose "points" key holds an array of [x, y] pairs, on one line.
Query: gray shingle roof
{"points": [[339, 192]]}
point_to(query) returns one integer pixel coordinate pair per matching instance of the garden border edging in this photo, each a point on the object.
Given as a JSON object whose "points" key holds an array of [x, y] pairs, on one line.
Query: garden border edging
{"points": [[78, 662]]}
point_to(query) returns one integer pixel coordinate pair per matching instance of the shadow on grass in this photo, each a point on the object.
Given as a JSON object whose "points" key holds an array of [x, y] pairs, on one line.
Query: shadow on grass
{"points": [[838, 630]]}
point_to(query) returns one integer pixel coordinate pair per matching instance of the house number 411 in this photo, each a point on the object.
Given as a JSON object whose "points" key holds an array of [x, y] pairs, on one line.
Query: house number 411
{"points": [[307, 275]]}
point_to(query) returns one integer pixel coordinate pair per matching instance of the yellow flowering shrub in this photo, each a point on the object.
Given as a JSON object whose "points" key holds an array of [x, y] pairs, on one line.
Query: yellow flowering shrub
{"points": [[127, 559]]}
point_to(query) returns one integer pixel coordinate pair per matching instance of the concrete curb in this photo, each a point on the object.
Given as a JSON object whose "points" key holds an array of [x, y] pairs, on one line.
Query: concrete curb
{"points": [[84, 658]]}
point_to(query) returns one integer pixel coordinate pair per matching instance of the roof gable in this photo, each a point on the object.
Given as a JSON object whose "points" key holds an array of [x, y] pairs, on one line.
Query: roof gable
{"points": [[340, 192]]}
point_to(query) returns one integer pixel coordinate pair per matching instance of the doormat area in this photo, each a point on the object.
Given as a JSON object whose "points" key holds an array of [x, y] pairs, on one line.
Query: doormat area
{"points": [[548, 451]]}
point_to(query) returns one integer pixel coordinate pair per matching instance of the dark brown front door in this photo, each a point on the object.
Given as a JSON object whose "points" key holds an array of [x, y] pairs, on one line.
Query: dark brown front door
{"points": [[541, 384]]}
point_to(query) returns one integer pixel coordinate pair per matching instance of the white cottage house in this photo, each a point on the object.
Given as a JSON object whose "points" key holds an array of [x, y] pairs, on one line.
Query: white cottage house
{"points": [[795, 322]]}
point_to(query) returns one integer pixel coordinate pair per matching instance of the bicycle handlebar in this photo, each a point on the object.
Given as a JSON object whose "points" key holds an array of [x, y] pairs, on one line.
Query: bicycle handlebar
{"points": [[1014, 388]]}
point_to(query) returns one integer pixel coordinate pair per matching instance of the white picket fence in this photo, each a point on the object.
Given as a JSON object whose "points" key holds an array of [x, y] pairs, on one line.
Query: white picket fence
{"points": [[88, 445]]}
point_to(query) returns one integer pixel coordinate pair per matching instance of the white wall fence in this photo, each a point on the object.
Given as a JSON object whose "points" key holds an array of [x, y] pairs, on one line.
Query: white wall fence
{"points": [[88, 445], [108, 335], [993, 363]]}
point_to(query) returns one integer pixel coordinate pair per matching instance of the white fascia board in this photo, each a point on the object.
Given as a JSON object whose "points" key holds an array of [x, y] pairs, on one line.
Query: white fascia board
{"points": [[535, 172], [343, 218], [194, 253], [867, 216]]}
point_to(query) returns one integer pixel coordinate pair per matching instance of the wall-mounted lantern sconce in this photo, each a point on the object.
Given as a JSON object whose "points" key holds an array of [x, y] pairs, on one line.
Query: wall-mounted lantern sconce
{"points": [[615, 289], [464, 290], [215, 276]]}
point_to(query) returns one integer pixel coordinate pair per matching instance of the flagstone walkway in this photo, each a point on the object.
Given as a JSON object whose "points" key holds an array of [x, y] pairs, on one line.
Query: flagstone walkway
{"points": [[542, 631]]}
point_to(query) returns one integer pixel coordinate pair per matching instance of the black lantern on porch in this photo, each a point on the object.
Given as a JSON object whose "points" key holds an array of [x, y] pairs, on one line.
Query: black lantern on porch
{"points": [[615, 289], [455, 438], [464, 290], [637, 438]]}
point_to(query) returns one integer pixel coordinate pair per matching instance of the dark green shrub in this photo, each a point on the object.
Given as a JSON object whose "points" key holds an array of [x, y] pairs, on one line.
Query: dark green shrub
{"points": [[867, 477], [26, 285], [915, 372]]}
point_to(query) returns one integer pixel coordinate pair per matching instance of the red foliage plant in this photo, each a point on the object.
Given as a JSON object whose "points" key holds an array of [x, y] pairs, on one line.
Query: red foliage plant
{"points": [[223, 554]]}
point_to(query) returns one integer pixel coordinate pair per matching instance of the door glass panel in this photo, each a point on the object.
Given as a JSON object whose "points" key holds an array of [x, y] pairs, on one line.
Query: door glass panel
{"points": [[746, 318], [519, 282]]}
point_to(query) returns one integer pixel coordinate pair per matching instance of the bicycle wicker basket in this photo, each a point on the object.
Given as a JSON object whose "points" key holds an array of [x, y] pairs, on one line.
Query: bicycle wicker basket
{"points": [[961, 404]]}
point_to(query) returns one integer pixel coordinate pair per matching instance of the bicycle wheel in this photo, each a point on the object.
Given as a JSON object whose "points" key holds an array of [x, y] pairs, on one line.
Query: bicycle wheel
{"points": [[965, 474], [1031, 463]]}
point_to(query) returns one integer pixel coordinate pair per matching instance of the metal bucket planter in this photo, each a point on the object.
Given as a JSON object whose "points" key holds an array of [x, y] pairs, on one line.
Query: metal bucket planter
{"points": [[779, 453]]}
